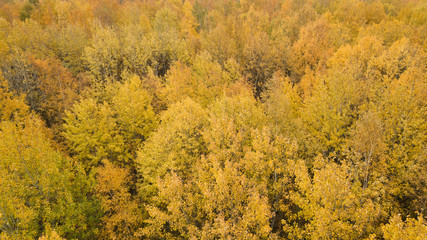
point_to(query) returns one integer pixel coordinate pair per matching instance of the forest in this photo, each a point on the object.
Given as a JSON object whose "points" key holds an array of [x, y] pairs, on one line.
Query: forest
{"points": [[213, 119]]}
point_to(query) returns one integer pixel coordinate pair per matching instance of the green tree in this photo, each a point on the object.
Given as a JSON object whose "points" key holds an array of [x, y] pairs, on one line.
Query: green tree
{"points": [[26, 11]]}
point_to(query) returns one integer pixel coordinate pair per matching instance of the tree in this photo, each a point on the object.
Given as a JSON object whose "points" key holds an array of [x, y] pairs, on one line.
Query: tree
{"points": [[174, 146], [329, 113], [154, 46], [330, 204], [403, 114], [283, 107], [105, 11], [30, 38], [68, 43], [367, 143], [313, 48], [112, 129], [259, 61], [11, 107], [26, 11], [219, 42], [104, 56], [213, 119], [22, 78], [135, 116], [387, 31], [138, 48], [168, 45], [356, 14], [4, 47], [295, 15], [40, 188], [121, 217], [188, 25], [402, 110], [203, 81], [227, 190], [91, 132], [340, 94], [410, 229], [58, 90], [50, 235]]}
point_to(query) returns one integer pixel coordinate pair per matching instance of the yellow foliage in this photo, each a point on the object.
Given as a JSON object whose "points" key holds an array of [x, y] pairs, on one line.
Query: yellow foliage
{"points": [[414, 229], [213, 119], [11, 107], [113, 129], [51, 234], [122, 217]]}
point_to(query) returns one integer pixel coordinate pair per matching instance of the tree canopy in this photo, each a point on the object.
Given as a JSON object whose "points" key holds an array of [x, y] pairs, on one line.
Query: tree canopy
{"points": [[213, 119]]}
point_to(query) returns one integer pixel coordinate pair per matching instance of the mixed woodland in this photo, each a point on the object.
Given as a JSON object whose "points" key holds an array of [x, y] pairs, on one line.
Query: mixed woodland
{"points": [[213, 119]]}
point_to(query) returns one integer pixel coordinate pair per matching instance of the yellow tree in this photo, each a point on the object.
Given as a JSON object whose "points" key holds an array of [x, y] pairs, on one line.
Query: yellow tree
{"points": [[219, 42], [367, 143], [203, 81], [410, 229], [168, 46], [112, 129], [104, 56], [137, 47], [91, 133], [339, 94], [259, 60], [226, 192], [356, 14], [4, 47], [313, 47], [174, 146], [11, 107], [68, 43], [402, 109], [31, 38], [403, 112], [283, 107], [294, 15], [331, 204], [188, 25], [122, 217], [328, 115], [51, 235], [40, 189], [135, 116]]}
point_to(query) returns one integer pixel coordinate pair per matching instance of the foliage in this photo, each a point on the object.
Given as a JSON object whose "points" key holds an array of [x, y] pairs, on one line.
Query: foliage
{"points": [[112, 129], [410, 229], [213, 119], [40, 187], [121, 215]]}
